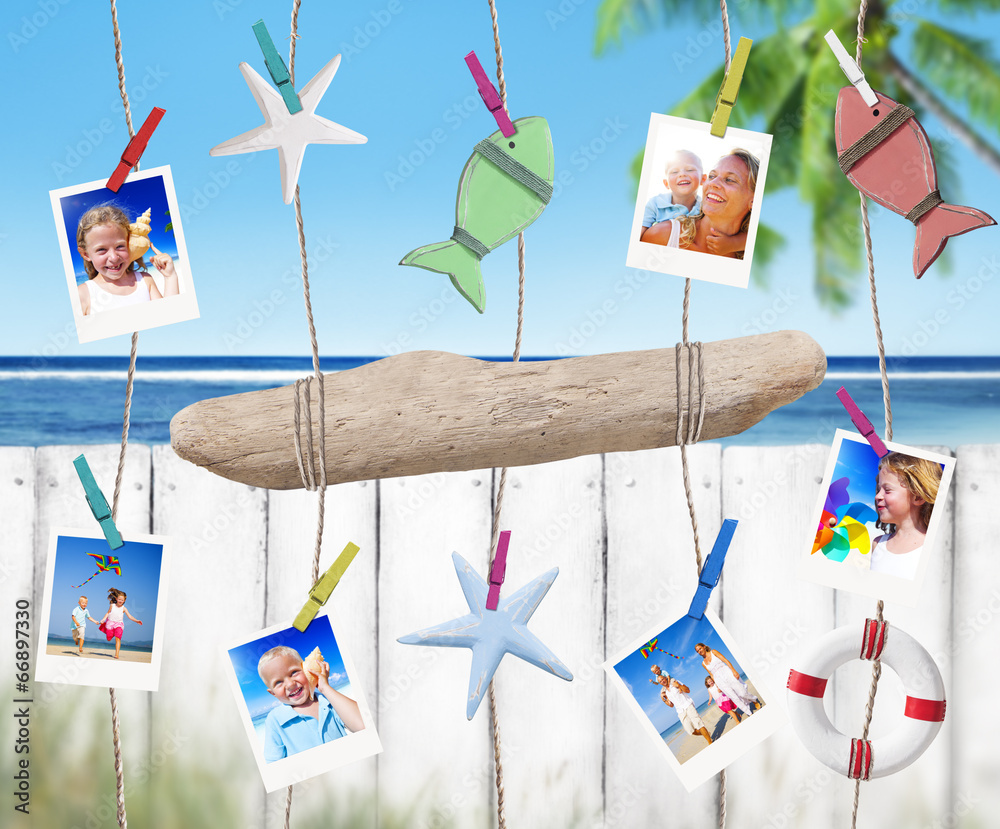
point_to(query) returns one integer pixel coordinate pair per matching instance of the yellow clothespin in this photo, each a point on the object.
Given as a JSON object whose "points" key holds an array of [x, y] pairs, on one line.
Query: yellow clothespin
{"points": [[730, 88], [324, 587]]}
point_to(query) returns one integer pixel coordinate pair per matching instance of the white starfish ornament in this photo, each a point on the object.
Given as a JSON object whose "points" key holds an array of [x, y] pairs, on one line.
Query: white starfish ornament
{"points": [[288, 133]]}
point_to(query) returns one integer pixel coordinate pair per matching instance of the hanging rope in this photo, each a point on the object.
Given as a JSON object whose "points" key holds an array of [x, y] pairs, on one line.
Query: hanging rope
{"points": [[877, 664], [115, 723]]}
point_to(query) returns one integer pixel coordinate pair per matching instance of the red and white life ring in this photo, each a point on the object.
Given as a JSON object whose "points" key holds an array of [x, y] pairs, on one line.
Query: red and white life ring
{"points": [[856, 758]]}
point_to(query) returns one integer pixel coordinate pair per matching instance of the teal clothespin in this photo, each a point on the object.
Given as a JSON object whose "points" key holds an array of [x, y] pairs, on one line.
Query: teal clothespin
{"points": [[710, 573], [324, 587], [276, 66], [98, 503]]}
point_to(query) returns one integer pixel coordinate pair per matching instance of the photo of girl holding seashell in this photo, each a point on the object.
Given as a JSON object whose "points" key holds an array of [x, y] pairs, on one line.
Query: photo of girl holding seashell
{"points": [[113, 248]]}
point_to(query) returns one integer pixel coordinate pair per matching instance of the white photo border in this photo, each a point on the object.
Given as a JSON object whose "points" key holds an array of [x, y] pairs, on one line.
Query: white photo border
{"points": [[818, 569], [116, 321], [302, 765], [139, 676], [687, 263], [712, 759]]}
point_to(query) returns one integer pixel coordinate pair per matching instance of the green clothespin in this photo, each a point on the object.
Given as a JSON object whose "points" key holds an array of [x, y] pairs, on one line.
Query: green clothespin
{"points": [[276, 66], [98, 503], [324, 587], [730, 88]]}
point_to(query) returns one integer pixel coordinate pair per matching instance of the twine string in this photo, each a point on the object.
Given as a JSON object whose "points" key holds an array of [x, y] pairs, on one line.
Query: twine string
{"points": [[877, 663], [115, 722]]}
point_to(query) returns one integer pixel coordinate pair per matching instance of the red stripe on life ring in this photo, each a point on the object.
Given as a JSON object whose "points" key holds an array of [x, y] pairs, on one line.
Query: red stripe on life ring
{"points": [[928, 710], [873, 639], [808, 686], [860, 766]]}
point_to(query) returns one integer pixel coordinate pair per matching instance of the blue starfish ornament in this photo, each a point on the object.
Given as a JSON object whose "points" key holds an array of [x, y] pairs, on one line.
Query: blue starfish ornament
{"points": [[492, 633]]}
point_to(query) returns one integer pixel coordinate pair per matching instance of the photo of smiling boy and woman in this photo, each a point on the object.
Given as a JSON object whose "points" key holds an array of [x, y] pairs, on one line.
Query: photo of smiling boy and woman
{"points": [[300, 702], [699, 200], [689, 687], [101, 610], [124, 255], [876, 519]]}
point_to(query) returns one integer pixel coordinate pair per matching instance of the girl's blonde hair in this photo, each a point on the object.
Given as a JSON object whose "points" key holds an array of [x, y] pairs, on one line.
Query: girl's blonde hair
{"points": [[274, 653], [919, 476], [103, 214], [688, 223]]}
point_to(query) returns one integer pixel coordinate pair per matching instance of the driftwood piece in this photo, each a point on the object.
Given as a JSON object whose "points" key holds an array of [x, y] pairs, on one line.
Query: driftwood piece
{"points": [[429, 411]]}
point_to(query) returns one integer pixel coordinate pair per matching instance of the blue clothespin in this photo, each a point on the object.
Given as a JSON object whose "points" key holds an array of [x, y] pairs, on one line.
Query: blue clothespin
{"points": [[98, 503], [276, 66], [710, 573]]}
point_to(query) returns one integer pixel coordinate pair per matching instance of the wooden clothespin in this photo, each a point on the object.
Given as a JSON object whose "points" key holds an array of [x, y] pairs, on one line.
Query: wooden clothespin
{"points": [[498, 571], [133, 152], [726, 99], [276, 66], [851, 69], [98, 503], [489, 95], [710, 573], [862, 423], [324, 587]]}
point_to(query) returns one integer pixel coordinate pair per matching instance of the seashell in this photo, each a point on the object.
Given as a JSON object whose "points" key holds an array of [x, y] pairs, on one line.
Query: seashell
{"points": [[138, 236], [310, 666]]}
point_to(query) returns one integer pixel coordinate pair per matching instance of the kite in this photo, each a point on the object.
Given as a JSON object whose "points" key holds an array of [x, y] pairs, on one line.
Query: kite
{"points": [[842, 525], [104, 565], [647, 649]]}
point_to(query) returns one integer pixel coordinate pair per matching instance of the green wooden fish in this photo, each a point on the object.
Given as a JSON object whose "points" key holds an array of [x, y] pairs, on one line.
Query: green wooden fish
{"points": [[504, 187]]}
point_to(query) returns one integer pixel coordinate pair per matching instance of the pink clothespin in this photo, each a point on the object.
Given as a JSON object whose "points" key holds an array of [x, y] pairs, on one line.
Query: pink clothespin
{"points": [[133, 152], [863, 424], [490, 95], [498, 571]]}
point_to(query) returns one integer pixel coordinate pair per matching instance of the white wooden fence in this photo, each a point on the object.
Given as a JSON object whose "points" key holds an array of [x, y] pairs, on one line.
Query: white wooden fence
{"points": [[618, 528]]}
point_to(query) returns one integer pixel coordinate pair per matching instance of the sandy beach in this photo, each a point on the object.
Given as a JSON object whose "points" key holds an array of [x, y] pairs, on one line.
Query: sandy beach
{"points": [[685, 746], [89, 652]]}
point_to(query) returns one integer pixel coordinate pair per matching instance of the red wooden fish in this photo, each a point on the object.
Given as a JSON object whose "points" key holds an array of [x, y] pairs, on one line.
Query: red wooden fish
{"points": [[885, 153]]}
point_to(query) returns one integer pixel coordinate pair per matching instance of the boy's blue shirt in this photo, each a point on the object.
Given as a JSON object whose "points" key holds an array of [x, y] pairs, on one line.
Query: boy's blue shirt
{"points": [[287, 733], [661, 208]]}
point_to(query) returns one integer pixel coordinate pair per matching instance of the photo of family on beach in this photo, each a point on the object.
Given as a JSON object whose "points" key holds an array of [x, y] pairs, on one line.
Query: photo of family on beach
{"points": [[300, 703], [877, 518], [694, 696], [698, 206], [106, 239], [102, 607]]}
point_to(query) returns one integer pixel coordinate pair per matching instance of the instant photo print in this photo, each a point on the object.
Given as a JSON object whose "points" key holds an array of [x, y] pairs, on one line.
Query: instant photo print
{"points": [[80, 642], [850, 544], [299, 722], [148, 203], [699, 201], [665, 680]]}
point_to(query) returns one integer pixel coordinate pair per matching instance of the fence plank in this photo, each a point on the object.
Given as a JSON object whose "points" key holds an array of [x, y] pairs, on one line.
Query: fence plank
{"points": [[217, 594], [551, 728], [651, 577], [910, 796], [350, 515], [774, 616], [433, 762], [976, 761]]}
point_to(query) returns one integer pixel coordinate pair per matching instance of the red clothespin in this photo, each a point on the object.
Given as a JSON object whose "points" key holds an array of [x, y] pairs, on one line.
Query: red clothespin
{"points": [[133, 152], [863, 424], [498, 571], [490, 95]]}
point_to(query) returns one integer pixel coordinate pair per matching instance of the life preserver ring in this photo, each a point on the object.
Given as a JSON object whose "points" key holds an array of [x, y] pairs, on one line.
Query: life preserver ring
{"points": [[923, 715]]}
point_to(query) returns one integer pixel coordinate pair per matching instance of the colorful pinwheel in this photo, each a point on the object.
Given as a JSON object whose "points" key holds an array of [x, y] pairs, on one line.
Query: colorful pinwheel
{"points": [[842, 525], [105, 564]]}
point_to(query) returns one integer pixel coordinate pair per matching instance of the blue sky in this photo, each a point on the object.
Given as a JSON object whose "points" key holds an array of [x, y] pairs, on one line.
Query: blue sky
{"points": [[245, 658], [679, 639], [366, 206], [859, 463], [140, 579]]}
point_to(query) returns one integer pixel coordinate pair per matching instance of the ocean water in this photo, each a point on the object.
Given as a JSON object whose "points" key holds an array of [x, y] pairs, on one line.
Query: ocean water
{"points": [[936, 401]]}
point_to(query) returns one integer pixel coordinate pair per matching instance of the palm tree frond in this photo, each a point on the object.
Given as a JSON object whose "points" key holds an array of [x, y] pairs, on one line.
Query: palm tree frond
{"points": [[962, 67], [768, 244]]}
